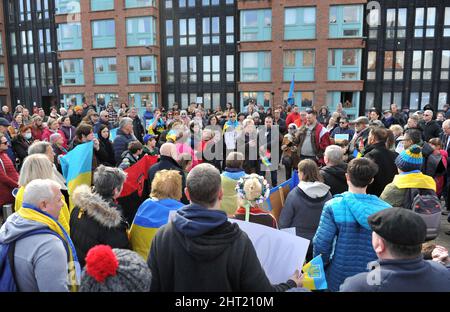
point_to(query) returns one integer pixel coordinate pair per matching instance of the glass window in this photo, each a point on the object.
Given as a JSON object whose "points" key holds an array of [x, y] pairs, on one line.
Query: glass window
{"points": [[371, 65], [399, 64], [169, 32], [414, 101], [416, 65], [250, 18], [309, 16], [250, 59], [447, 22], [170, 70], [192, 69], [349, 57], [427, 65], [289, 58], [442, 100], [350, 14], [230, 68], [290, 16], [230, 29], [445, 64], [396, 23], [308, 58], [183, 70], [370, 100]]}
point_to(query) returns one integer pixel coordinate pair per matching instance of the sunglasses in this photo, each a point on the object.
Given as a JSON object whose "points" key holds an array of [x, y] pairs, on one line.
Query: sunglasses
{"points": [[232, 116]]}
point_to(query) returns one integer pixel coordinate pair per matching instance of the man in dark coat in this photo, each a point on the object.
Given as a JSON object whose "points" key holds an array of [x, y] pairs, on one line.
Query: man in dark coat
{"points": [[398, 235], [383, 157], [138, 129], [361, 134], [200, 250], [168, 161], [334, 172], [431, 128], [123, 137]]}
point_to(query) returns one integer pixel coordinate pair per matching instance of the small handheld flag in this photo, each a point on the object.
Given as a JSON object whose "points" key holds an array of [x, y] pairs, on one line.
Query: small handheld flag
{"points": [[314, 274]]}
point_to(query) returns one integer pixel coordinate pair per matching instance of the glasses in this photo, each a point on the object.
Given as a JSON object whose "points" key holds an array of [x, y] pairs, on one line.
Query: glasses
{"points": [[232, 116], [342, 122], [4, 143]]}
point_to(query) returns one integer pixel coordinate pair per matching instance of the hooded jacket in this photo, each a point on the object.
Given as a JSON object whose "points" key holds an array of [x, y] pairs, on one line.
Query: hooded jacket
{"points": [[394, 193], [334, 177], [230, 177], [200, 250], [410, 275], [8, 179], [40, 260], [303, 208], [344, 237], [94, 221]]}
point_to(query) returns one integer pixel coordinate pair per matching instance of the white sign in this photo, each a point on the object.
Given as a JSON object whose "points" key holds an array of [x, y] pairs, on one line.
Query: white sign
{"points": [[280, 253]]}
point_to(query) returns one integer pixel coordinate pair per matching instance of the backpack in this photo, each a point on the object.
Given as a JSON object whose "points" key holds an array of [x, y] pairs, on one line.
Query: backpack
{"points": [[427, 205], [7, 270]]}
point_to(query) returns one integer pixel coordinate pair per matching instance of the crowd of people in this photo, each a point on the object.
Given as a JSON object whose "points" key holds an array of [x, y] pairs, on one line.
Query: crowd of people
{"points": [[370, 196]]}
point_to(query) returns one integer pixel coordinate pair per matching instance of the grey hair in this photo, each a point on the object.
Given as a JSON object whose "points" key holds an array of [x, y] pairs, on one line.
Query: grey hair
{"points": [[39, 190], [39, 148], [334, 154], [106, 179], [430, 111], [446, 123], [125, 121], [246, 122], [204, 183]]}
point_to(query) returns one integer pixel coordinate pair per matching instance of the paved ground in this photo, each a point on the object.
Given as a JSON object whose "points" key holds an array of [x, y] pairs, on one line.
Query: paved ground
{"points": [[442, 239]]}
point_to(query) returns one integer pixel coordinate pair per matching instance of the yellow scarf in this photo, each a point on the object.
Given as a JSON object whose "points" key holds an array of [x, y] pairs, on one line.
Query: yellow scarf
{"points": [[64, 216], [414, 180], [30, 212]]}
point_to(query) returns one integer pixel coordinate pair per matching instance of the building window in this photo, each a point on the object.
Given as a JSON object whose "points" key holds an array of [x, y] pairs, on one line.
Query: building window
{"points": [[104, 99], [187, 31], [27, 42], [72, 72], [139, 3], [64, 6], [442, 100], [371, 65], [256, 25], [210, 2], [394, 61], [141, 31], [1, 44], [211, 68], [142, 69], [183, 69], [103, 34], [300, 23], [47, 74], [422, 65], [211, 30], [140, 100], [169, 4], [181, 3], [102, 5], [370, 100], [170, 70], [445, 64], [447, 22], [105, 71], [42, 12], [2, 75], [69, 37], [344, 64], [192, 69], [45, 45], [299, 64], [230, 29], [16, 75], [169, 33], [345, 21], [230, 68], [72, 99], [256, 66], [13, 44], [422, 28], [396, 23]]}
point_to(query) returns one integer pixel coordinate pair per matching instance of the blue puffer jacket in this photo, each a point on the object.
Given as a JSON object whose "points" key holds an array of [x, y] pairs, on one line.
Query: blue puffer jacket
{"points": [[344, 237]]}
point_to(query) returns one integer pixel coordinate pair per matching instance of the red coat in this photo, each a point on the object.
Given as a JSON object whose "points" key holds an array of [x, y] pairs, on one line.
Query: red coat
{"points": [[36, 133], [8, 179], [293, 118]]}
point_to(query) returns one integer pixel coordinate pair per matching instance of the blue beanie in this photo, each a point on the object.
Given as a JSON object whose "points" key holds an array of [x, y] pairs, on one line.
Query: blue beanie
{"points": [[410, 159]]}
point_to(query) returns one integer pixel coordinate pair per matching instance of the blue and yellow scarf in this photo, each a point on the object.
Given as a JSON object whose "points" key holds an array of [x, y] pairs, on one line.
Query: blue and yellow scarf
{"points": [[31, 212]]}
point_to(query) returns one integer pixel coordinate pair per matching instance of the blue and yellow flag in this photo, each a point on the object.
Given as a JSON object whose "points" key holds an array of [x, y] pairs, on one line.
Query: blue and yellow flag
{"points": [[314, 274], [152, 214], [77, 166]]}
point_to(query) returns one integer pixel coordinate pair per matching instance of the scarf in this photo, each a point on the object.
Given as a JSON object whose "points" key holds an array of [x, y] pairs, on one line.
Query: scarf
{"points": [[31, 212]]}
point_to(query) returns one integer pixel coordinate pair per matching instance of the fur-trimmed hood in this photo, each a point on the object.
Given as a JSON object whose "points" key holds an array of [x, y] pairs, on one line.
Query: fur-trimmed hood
{"points": [[96, 207]]}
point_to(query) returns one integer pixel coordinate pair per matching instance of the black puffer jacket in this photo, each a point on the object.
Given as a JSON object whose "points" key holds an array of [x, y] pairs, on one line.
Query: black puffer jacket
{"points": [[94, 221], [334, 177]]}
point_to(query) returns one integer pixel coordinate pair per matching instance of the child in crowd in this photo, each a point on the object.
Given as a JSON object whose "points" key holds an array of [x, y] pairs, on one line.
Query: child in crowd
{"points": [[132, 155]]}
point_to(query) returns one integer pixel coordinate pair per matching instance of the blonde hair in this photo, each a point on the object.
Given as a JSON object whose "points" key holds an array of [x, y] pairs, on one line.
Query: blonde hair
{"points": [[167, 184], [396, 129], [252, 188], [36, 166]]}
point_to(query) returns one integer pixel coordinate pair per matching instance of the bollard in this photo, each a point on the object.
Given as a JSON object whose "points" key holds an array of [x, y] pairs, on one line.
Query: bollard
{"points": [[7, 211]]}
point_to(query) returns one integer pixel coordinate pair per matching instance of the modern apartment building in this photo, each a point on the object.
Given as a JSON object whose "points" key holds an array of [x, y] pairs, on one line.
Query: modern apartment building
{"points": [[5, 96], [407, 60], [319, 44], [198, 52]]}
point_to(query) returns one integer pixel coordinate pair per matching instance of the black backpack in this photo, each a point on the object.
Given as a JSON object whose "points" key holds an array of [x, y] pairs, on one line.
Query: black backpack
{"points": [[427, 205]]}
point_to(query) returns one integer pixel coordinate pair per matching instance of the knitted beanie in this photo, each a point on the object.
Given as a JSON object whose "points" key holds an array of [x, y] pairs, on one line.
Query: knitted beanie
{"points": [[410, 159], [114, 270]]}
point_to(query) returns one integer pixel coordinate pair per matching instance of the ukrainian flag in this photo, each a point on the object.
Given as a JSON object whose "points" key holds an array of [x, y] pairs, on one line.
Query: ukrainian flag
{"points": [[314, 274], [151, 215], [77, 166]]}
